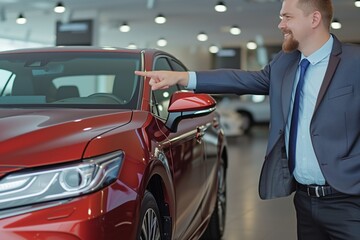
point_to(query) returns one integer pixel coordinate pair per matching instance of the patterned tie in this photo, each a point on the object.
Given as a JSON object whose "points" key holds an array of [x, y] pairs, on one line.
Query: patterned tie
{"points": [[295, 115]]}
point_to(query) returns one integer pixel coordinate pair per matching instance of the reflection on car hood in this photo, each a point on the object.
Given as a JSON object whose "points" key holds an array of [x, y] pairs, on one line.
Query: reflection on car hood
{"points": [[47, 136]]}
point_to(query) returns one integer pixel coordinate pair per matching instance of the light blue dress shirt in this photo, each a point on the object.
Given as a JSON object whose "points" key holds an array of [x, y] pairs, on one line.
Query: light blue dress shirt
{"points": [[192, 81], [307, 170]]}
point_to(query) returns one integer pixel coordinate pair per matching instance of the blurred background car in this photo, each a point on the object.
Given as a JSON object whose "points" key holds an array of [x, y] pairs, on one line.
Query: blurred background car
{"points": [[253, 109], [231, 122]]}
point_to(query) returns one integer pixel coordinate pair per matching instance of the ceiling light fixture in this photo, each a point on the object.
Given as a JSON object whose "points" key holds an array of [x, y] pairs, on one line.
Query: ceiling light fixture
{"points": [[132, 46], [214, 49], [59, 8], [124, 27], [160, 19], [161, 42], [21, 19], [235, 30], [357, 3], [251, 45], [220, 7], [335, 24], [202, 37]]}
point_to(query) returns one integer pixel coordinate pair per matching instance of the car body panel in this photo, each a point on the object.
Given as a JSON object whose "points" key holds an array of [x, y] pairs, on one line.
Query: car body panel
{"points": [[178, 167], [81, 218], [71, 130]]}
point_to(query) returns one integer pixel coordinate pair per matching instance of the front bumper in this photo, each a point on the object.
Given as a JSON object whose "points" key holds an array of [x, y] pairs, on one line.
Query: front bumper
{"points": [[108, 214]]}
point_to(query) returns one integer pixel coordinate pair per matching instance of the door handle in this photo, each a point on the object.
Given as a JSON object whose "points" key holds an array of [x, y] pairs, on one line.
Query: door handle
{"points": [[199, 134], [215, 123]]}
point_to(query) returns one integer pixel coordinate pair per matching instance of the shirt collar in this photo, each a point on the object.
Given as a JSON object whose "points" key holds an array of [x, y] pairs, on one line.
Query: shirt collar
{"points": [[321, 53]]}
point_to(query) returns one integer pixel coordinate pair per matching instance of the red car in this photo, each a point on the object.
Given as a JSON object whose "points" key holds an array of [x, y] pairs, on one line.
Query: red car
{"points": [[89, 152]]}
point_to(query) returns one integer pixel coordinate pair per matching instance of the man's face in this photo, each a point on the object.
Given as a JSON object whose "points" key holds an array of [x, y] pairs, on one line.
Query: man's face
{"points": [[293, 25]]}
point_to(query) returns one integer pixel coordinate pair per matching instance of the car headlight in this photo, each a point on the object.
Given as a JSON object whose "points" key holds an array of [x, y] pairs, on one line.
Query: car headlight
{"points": [[41, 185]]}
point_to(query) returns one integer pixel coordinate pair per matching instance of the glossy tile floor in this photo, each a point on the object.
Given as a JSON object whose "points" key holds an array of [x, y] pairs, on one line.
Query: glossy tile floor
{"points": [[249, 217]]}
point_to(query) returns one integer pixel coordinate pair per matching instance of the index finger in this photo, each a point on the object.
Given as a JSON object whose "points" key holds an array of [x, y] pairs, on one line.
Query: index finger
{"points": [[144, 74]]}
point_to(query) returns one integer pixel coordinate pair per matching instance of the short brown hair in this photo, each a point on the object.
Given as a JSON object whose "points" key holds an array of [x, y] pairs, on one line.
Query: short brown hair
{"points": [[325, 7]]}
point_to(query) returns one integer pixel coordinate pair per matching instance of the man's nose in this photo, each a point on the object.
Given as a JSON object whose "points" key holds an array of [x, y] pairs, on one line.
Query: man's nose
{"points": [[281, 25]]}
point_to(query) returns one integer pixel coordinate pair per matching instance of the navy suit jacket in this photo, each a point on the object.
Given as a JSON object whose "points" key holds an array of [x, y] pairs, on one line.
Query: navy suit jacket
{"points": [[335, 125]]}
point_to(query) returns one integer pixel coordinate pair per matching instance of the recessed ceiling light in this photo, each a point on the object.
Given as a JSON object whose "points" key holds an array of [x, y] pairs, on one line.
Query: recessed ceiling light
{"points": [[124, 27], [335, 24], [162, 42], [235, 30], [213, 49], [220, 7], [202, 37], [357, 3], [59, 8], [160, 19], [21, 19], [132, 46], [251, 45]]}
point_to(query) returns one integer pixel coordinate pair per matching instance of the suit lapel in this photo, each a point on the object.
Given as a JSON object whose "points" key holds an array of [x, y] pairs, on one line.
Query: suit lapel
{"points": [[333, 63]]}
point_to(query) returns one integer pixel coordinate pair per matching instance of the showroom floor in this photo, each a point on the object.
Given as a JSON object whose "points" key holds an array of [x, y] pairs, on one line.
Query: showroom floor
{"points": [[249, 217]]}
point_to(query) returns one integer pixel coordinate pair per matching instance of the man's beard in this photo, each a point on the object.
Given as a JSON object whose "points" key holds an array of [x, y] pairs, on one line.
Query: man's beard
{"points": [[290, 44]]}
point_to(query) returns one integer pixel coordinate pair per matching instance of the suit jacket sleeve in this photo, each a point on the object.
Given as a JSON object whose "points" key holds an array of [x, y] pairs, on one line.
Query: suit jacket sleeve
{"points": [[235, 81]]}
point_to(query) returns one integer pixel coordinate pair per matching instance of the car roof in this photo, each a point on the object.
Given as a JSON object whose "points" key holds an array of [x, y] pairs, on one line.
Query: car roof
{"points": [[82, 49]]}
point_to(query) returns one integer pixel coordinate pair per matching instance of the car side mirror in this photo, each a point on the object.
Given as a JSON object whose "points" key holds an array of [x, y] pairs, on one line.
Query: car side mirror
{"points": [[188, 105]]}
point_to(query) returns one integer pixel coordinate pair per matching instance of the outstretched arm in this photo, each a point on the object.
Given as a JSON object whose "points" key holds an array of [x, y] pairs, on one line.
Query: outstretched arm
{"points": [[165, 79]]}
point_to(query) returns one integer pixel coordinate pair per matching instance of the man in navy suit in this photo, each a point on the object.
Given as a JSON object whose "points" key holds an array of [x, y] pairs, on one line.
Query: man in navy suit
{"points": [[325, 167]]}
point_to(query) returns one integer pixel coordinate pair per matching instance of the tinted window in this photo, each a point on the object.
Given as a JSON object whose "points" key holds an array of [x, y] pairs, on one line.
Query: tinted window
{"points": [[162, 96], [69, 79]]}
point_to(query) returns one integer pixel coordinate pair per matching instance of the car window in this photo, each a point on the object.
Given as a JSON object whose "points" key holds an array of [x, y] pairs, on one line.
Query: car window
{"points": [[178, 67], [70, 80], [78, 86], [162, 96], [6, 82]]}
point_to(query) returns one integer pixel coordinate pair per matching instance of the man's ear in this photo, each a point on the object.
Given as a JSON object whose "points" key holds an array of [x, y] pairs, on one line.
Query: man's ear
{"points": [[316, 19]]}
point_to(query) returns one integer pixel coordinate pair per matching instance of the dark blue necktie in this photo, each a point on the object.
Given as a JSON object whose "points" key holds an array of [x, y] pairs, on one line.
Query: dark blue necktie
{"points": [[295, 115]]}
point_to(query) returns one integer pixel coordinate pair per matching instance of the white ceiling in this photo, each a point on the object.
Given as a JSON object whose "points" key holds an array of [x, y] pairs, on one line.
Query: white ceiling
{"points": [[258, 19]]}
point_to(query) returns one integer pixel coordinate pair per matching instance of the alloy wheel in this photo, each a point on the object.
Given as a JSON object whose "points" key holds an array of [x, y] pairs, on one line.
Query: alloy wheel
{"points": [[150, 229]]}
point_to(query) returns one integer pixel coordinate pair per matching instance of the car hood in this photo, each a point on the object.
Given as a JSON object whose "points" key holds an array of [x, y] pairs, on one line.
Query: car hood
{"points": [[31, 138]]}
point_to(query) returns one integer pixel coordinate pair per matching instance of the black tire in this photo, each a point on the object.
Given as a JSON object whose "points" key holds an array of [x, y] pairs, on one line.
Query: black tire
{"points": [[247, 121], [216, 227], [149, 227]]}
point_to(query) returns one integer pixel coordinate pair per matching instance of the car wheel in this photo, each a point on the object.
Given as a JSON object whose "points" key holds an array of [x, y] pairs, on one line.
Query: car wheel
{"points": [[247, 121], [149, 228], [216, 227]]}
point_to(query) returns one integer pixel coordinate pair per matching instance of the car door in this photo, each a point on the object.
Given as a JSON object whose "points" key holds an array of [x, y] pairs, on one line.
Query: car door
{"points": [[187, 154]]}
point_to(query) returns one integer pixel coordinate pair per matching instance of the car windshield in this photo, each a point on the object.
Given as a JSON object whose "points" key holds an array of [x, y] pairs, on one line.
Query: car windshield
{"points": [[69, 79]]}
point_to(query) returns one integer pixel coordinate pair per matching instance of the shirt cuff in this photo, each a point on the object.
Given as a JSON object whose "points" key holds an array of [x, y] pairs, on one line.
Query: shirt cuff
{"points": [[192, 81]]}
